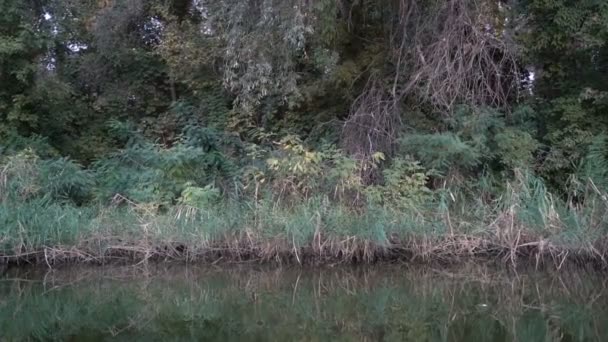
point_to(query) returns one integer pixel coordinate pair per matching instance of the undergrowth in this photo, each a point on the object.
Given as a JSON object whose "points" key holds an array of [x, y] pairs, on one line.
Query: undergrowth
{"points": [[290, 204]]}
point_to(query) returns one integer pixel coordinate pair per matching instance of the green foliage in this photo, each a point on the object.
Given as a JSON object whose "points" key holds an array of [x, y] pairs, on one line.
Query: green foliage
{"points": [[262, 51], [566, 44], [405, 186], [199, 197], [295, 169], [591, 178], [567, 41], [442, 152], [150, 173], [571, 124], [516, 148], [175, 104], [22, 43], [477, 141], [596, 161], [14, 143], [27, 177]]}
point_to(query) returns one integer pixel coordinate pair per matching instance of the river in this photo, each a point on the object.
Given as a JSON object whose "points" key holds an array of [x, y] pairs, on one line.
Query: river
{"points": [[255, 303]]}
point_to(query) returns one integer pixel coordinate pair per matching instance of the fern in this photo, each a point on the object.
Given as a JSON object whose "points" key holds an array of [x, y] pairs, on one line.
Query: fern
{"points": [[14, 143], [26, 177], [151, 173], [441, 152]]}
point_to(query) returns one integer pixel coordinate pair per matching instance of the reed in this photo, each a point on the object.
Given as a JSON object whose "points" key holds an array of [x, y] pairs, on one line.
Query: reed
{"points": [[316, 231], [49, 214]]}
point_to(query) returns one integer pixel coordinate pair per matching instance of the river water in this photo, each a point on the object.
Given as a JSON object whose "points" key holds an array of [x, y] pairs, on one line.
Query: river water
{"points": [[252, 303]]}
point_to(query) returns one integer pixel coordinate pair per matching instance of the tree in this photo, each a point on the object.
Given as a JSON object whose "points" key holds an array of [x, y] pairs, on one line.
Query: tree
{"points": [[565, 42], [23, 48]]}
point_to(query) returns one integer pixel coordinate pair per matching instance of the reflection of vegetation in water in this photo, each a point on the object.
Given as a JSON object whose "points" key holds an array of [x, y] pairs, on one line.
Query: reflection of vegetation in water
{"points": [[328, 305]]}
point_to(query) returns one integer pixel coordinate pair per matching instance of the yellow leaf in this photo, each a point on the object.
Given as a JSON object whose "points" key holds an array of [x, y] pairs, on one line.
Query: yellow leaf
{"points": [[378, 156]]}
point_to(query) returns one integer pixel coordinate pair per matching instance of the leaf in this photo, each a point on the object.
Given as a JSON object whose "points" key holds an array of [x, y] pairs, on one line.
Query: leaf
{"points": [[378, 157]]}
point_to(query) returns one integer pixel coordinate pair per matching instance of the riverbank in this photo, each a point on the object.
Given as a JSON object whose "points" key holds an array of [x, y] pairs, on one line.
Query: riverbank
{"points": [[54, 211], [444, 250], [314, 232]]}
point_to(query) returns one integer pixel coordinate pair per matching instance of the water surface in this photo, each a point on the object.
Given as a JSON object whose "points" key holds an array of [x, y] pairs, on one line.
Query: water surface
{"points": [[383, 303]]}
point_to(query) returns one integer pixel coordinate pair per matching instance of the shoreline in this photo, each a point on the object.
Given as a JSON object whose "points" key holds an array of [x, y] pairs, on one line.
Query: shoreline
{"points": [[445, 250]]}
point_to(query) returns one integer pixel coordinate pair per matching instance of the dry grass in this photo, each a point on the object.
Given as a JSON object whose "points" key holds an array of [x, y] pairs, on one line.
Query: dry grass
{"points": [[248, 245]]}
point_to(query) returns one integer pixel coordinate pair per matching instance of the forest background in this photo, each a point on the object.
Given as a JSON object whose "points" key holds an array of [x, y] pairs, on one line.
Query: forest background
{"points": [[303, 129]]}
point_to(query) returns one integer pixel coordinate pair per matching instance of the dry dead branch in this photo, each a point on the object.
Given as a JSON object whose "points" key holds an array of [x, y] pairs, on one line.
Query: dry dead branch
{"points": [[443, 54]]}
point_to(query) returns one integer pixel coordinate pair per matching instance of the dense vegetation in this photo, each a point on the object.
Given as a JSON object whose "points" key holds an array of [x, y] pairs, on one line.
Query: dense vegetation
{"points": [[340, 129]]}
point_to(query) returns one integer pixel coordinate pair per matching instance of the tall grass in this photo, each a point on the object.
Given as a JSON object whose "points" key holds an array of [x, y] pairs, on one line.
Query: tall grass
{"points": [[49, 213], [313, 231]]}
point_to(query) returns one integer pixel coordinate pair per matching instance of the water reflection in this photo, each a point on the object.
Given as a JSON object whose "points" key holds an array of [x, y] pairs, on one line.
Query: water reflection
{"points": [[383, 303]]}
